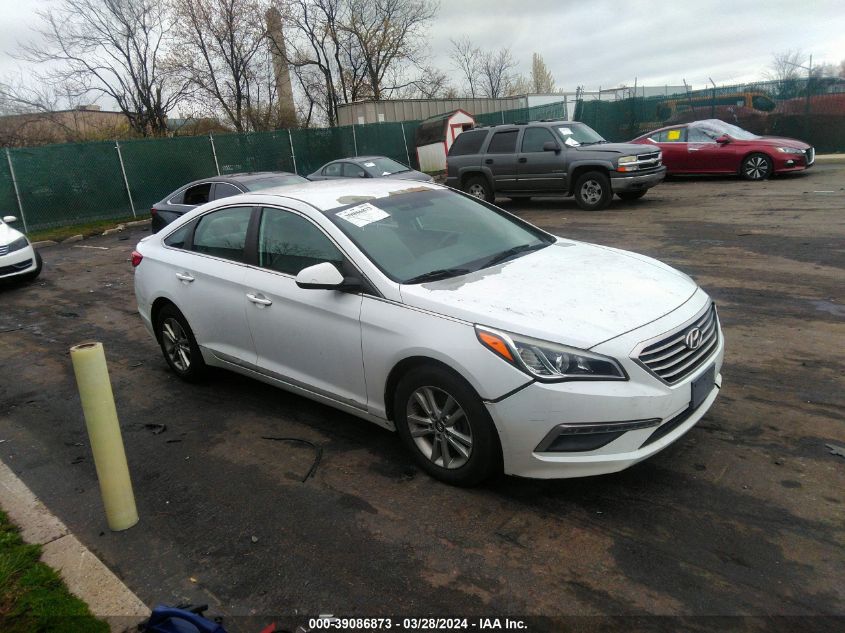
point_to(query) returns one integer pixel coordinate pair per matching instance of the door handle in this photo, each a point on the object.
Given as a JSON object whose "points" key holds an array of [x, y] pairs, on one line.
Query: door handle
{"points": [[259, 299], [523, 160], [184, 277], [488, 161]]}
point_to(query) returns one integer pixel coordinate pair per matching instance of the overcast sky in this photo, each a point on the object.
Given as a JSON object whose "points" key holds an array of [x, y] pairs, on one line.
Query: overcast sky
{"points": [[603, 43]]}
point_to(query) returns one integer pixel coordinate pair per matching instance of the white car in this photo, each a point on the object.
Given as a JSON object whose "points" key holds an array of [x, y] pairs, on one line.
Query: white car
{"points": [[487, 343], [17, 257]]}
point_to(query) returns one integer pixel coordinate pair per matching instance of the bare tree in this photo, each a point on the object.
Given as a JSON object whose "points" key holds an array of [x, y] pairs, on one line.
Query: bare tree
{"points": [[112, 48], [496, 76], [431, 84], [466, 58], [786, 73], [223, 51]]}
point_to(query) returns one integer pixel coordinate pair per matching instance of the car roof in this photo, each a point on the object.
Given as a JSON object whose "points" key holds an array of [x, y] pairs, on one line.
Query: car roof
{"points": [[330, 194], [240, 177]]}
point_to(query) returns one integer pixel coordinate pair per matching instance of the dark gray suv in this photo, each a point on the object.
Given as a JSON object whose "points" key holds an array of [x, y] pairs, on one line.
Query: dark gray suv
{"points": [[551, 158]]}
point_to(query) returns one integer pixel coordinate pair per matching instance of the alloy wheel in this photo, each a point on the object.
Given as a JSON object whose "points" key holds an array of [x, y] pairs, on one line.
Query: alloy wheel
{"points": [[477, 191], [177, 346], [439, 427], [757, 168]]}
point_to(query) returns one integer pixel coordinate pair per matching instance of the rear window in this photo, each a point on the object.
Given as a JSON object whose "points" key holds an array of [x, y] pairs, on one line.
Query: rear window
{"points": [[468, 143]]}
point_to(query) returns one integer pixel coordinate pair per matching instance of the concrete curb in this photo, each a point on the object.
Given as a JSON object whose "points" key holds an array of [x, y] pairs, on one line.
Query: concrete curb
{"points": [[830, 158], [84, 574]]}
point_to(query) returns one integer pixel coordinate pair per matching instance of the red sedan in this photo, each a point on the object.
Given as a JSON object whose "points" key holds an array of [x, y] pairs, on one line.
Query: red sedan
{"points": [[715, 147]]}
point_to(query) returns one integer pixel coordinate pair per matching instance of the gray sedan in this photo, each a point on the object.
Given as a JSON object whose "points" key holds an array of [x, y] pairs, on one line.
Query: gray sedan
{"points": [[368, 167], [198, 192]]}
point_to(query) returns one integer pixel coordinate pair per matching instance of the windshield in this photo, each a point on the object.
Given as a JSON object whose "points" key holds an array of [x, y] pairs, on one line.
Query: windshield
{"points": [[383, 166], [575, 134], [431, 234], [720, 127], [274, 181]]}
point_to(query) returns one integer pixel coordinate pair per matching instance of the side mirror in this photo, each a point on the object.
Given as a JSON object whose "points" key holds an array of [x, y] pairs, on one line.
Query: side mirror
{"points": [[551, 146], [723, 140], [325, 277], [8, 219]]}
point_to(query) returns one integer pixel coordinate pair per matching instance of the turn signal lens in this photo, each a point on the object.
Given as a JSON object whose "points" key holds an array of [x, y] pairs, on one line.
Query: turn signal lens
{"points": [[136, 258], [496, 344]]}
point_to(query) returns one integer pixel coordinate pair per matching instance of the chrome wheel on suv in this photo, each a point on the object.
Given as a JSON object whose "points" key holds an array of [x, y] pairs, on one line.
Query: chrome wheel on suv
{"points": [[593, 191], [478, 187]]}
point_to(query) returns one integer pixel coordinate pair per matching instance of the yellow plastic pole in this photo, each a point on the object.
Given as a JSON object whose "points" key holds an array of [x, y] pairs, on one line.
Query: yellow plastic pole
{"points": [[92, 378]]}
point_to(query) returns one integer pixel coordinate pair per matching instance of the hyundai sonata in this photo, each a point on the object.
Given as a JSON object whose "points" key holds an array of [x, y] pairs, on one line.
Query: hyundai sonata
{"points": [[487, 343]]}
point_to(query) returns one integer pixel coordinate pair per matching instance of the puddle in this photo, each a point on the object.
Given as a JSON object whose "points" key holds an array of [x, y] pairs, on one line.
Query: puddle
{"points": [[828, 306]]}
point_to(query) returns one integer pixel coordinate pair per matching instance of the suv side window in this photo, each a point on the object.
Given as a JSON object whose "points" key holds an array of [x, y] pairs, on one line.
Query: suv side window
{"points": [[468, 143], [223, 233], [534, 138], [503, 142], [288, 243], [198, 194]]}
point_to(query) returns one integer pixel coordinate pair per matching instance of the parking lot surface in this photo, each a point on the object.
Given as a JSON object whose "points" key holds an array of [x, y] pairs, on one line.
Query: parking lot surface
{"points": [[745, 515]]}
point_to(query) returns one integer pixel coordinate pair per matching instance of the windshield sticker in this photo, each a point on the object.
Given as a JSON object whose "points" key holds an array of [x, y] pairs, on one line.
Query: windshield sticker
{"points": [[565, 131], [571, 142], [363, 214], [385, 173], [673, 135], [369, 164]]}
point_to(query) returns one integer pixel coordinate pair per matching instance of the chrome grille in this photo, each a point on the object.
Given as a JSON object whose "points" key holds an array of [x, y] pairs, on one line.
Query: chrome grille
{"points": [[649, 160], [4, 250], [671, 360], [810, 154]]}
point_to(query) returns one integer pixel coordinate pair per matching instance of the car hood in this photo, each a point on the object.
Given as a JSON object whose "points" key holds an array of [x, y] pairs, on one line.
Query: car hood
{"points": [[616, 148], [777, 141], [570, 292], [8, 234]]}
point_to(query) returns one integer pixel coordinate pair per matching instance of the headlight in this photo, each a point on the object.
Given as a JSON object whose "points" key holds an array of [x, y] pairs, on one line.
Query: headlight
{"points": [[624, 160], [790, 150], [18, 244], [547, 361], [627, 163]]}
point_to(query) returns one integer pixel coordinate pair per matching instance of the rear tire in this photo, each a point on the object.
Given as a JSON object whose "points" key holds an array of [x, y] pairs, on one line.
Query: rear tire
{"points": [[178, 344], [631, 196], [592, 191], [757, 167], [478, 187], [445, 425]]}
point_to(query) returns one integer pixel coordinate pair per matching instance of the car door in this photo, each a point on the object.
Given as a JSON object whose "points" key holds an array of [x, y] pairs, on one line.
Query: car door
{"points": [[331, 171], [673, 144], [500, 159], [539, 170], [351, 170], [706, 155], [210, 293], [307, 338]]}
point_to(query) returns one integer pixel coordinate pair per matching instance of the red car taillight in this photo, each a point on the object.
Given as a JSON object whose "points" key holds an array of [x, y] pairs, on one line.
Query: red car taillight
{"points": [[136, 258]]}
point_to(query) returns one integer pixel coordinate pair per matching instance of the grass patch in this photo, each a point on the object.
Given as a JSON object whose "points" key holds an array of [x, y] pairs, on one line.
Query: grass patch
{"points": [[87, 229], [32, 596]]}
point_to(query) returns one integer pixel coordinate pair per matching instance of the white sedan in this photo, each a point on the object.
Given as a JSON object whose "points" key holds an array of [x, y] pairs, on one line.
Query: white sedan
{"points": [[487, 343], [18, 260]]}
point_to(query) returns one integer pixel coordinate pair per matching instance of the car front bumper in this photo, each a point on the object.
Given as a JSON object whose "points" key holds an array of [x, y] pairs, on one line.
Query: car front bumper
{"points": [[526, 419], [19, 262], [637, 182]]}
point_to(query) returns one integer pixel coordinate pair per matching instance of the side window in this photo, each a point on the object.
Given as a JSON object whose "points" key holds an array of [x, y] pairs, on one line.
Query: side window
{"points": [[678, 135], [288, 243], [178, 237], [534, 138], [503, 142], [351, 170], [224, 190], [468, 143], [332, 170], [198, 194], [700, 135], [223, 233]]}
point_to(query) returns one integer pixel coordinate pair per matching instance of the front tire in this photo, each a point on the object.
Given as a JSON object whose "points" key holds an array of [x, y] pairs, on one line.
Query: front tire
{"points": [[445, 425], [478, 187], [592, 191], [178, 344], [757, 167]]}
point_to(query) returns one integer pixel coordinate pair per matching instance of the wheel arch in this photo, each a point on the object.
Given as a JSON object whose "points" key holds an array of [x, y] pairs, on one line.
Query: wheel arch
{"points": [[155, 310], [751, 153], [583, 168]]}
